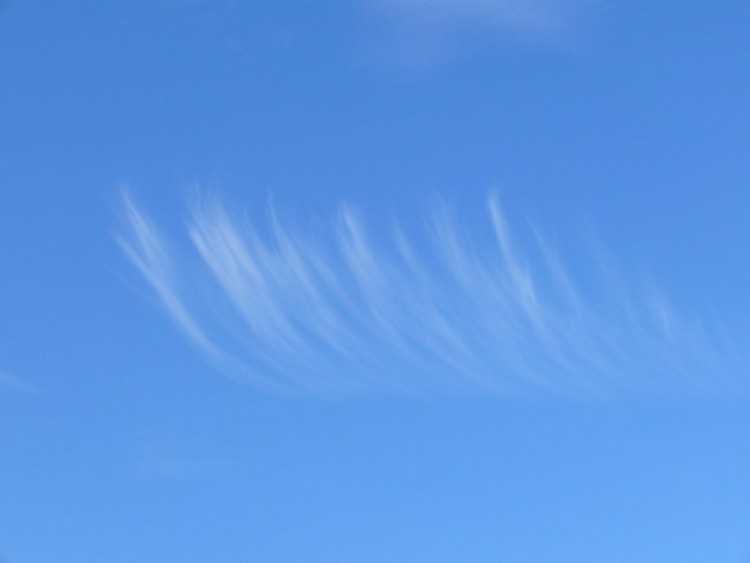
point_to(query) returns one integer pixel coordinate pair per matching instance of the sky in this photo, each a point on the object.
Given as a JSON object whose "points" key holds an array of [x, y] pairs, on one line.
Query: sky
{"points": [[376, 280]]}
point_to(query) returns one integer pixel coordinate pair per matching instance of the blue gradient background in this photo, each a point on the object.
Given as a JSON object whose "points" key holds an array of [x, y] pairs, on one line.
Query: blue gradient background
{"points": [[126, 446]]}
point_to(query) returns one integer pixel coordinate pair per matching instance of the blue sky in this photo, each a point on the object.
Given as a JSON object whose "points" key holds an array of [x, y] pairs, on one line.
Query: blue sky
{"points": [[378, 280]]}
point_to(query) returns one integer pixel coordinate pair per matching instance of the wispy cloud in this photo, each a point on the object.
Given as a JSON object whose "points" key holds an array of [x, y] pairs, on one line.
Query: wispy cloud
{"points": [[12, 382], [451, 307], [424, 31], [177, 469], [148, 252]]}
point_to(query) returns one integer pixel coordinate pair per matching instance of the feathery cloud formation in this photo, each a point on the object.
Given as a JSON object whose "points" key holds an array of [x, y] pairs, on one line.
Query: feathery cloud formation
{"points": [[449, 308]]}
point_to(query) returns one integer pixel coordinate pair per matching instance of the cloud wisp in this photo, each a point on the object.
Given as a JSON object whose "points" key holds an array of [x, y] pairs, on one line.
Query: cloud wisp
{"points": [[450, 307], [177, 469], [13, 383], [424, 31]]}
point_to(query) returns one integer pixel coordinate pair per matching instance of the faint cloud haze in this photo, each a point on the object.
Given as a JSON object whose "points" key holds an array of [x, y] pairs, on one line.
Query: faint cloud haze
{"points": [[527, 15], [177, 469], [447, 308], [424, 31], [12, 382]]}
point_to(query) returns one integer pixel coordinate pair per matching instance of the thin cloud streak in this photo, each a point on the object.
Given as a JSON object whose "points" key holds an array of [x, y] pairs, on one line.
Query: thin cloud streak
{"points": [[426, 31], [526, 15], [444, 309], [178, 469], [14, 383], [148, 253]]}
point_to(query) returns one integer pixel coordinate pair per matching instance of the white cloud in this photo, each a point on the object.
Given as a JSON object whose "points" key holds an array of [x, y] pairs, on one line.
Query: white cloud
{"points": [[423, 31], [449, 308], [527, 15], [12, 382], [177, 469]]}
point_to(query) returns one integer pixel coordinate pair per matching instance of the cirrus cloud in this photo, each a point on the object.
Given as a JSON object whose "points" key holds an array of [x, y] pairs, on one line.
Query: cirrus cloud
{"points": [[447, 308]]}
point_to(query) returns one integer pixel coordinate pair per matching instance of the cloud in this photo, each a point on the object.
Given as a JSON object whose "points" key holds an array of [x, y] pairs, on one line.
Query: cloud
{"points": [[423, 31], [452, 307], [177, 469], [526, 15], [11, 382], [149, 254]]}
